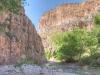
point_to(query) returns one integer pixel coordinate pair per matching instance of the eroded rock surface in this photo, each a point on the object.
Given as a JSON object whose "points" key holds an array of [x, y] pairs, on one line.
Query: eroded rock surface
{"points": [[18, 38]]}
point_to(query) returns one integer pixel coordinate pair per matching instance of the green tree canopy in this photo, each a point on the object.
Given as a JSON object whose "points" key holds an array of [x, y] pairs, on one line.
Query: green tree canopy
{"points": [[75, 43]]}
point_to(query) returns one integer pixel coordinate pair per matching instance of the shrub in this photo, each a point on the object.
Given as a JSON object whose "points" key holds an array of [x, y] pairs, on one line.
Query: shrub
{"points": [[97, 19], [47, 54], [95, 63], [84, 61], [7, 19], [9, 34], [1, 29], [90, 60], [95, 56], [28, 60], [9, 26], [65, 53]]}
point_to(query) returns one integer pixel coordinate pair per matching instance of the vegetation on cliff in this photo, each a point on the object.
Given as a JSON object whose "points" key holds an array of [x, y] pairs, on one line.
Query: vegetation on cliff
{"points": [[48, 54], [12, 5]]}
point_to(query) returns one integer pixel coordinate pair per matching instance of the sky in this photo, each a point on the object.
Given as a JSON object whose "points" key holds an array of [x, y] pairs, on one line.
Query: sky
{"points": [[37, 7]]}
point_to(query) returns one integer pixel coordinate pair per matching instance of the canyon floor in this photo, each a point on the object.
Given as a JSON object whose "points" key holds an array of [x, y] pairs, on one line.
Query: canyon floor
{"points": [[30, 70], [50, 68]]}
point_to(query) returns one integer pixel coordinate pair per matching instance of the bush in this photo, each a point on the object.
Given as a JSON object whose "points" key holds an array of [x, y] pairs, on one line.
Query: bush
{"points": [[90, 60], [95, 56], [97, 19], [1, 29], [9, 26], [28, 60], [47, 54], [95, 63], [66, 53], [84, 61], [9, 34]]}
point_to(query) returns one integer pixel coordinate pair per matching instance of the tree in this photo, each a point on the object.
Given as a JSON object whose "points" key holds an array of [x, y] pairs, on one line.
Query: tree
{"points": [[12, 5], [75, 43]]}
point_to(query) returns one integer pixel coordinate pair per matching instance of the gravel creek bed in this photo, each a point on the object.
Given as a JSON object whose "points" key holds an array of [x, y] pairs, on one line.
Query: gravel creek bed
{"points": [[74, 68], [50, 68], [30, 70]]}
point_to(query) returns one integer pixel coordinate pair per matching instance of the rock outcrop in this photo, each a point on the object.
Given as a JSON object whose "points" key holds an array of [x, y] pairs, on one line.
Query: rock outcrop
{"points": [[18, 38], [65, 17]]}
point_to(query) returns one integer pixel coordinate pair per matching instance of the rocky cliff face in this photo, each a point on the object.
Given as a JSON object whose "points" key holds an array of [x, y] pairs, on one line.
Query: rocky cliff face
{"points": [[18, 38], [64, 14], [64, 17]]}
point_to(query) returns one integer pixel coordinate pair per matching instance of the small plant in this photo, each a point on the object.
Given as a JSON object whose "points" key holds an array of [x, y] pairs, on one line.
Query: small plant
{"points": [[65, 53], [9, 34], [90, 60], [84, 61], [95, 56], [97, 19], [9, 26], [18, 64], [39, 64], [1, 29], [48, 54], [28, 60], [16, 39], [4, 25], [7, 19], [95, 63]]}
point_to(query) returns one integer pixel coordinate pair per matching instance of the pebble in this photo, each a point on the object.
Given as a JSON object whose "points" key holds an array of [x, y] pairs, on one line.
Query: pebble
{"points": [[60, 70]]}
